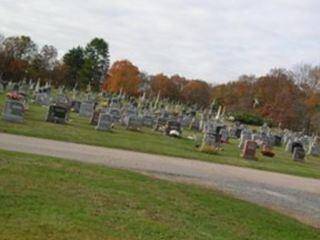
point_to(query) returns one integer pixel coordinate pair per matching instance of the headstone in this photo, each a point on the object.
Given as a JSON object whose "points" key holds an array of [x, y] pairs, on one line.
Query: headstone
{"points": [[289, 145], [13, 111], [264, 128], [115, 114], [245, 135], [232, 132], [298, 154], [296, 145], [211, 139], [195, 124], [277, 140], [15, 87], [249, 150], [75, 106], [105, 122], [224, 135], [186, 121], [86, 109], [132, 122], [148, 121], [173, 128], [57, 114], [160, 124], [238, 132], [63, 101], [314, 149], [95, 117], [42, 99]]}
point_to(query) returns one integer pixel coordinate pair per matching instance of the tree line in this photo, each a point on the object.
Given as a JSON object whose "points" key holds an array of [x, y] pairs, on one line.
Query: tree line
{"points": [[289, 98]]}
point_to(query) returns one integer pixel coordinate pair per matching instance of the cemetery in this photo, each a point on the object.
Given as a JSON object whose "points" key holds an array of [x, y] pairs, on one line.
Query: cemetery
{"points": [[184, 146], [123, 125]]}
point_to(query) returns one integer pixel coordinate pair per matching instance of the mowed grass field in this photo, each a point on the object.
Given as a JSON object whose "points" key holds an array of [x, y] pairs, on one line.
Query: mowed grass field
{"points": [[48, 198], [80, 131]]}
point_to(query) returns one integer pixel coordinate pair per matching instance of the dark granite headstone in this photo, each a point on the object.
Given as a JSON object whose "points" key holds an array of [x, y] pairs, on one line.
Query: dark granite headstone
{"points": [[57, 114], [173, 128], [298, 154]]}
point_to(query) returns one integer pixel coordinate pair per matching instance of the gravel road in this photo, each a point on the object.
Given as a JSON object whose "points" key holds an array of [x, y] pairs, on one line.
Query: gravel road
{"points": [[294, 196]]}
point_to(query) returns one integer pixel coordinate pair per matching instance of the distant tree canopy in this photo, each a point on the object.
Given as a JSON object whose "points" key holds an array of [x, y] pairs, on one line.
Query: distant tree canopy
{"points": [[285, 97], [289, 98], [21, 58]]}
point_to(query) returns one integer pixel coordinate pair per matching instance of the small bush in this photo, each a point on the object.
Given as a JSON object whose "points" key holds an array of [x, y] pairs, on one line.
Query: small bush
{"points": [[250, 119]]}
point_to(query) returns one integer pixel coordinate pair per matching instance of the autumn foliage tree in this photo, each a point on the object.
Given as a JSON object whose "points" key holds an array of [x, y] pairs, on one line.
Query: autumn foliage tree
{"points": [[196, 92], [124, 76], [280, 100], [163, 85]]}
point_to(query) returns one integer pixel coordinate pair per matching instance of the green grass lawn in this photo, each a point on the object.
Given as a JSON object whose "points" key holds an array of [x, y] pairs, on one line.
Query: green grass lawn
{"points": [[48, 198], [80, 131]]}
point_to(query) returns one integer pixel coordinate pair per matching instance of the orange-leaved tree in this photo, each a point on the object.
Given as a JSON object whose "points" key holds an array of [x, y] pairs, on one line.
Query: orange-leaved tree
{"points": [[196, 92], [124, 76], [165, 86]]}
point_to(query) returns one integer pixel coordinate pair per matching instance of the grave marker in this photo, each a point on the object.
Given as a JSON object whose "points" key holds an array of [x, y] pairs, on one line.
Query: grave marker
{"points": [[173, 128], [86, 109], [105, 122], [249, 150], [298, 154], [57, 114], [13, 111]]}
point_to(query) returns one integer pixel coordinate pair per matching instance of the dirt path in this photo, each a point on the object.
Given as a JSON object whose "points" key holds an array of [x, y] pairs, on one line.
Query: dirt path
{"points": [[295, 196]]}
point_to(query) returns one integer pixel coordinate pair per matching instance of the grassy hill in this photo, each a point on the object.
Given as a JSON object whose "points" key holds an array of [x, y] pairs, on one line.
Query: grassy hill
{"points": [[47, 198]]}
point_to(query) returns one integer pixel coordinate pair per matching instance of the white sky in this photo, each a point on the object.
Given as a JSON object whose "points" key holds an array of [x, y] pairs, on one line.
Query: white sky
{"points": [[213, 40]]}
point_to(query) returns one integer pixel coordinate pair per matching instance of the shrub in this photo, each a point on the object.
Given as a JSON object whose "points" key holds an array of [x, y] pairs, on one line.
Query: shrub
{"points": [[250, 119]]}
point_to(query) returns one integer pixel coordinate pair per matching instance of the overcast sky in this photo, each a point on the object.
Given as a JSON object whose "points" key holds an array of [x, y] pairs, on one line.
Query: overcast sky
{"points": [[213, 40]]}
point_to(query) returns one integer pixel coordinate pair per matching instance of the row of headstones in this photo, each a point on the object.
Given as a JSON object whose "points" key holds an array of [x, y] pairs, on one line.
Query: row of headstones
{"points": [[131, 120], [104, 118], [310, 145], [298, 147]]}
